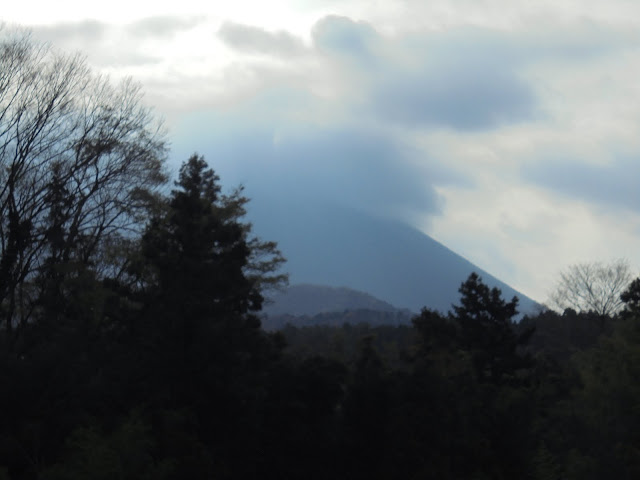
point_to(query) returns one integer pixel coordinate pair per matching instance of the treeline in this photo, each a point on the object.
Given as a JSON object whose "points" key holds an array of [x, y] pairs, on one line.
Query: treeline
{"points": [[555, 398], [131, 345], [336, 319], [551, 396]]}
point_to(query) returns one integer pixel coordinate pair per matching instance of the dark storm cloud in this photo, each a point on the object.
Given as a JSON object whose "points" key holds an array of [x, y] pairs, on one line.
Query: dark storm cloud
{"points": [[613, 184], [245, 38]]}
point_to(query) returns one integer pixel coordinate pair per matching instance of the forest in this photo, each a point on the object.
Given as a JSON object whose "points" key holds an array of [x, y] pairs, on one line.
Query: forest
{"points": [[131, 344]]}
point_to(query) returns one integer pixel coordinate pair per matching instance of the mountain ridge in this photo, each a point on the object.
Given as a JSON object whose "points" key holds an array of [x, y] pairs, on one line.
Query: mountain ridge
{"points": [[312, 299]]}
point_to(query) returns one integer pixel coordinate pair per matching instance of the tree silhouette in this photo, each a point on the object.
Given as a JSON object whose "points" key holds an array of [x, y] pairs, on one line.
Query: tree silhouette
{"points": [[593, 287], [486, 330], [200, 251]]}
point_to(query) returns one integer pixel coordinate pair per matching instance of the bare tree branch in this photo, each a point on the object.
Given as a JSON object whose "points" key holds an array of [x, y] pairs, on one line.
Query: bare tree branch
{"points": [[62, 126], [592, 287]]}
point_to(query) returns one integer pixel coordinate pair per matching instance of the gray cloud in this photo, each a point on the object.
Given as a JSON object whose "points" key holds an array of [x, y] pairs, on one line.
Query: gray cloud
{"points": [[615, 184], [113, 46], [583, 42], [250, 39], [97, 38], [466, 80], [347, 165], [342, 36], [463, 96], [162, 26], [120, 57], [67, 34]]}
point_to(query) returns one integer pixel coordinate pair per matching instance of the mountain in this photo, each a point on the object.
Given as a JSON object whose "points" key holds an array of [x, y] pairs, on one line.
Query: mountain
{"points": [[309, 305], [390, 260]]}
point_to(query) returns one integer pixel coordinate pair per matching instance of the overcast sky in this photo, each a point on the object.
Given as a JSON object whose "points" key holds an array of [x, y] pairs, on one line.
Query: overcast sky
{"points": [[507, 130]]}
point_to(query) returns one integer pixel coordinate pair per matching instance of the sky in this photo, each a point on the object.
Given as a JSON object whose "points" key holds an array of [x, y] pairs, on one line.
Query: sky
{"points": [[509, 131]]}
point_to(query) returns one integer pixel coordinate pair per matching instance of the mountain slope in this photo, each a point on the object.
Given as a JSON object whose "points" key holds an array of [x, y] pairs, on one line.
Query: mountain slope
{"points": [[390, 260]]}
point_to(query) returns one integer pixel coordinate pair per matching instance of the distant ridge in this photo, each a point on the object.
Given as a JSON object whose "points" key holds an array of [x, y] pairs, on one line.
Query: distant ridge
{"points": [[306, 299]]}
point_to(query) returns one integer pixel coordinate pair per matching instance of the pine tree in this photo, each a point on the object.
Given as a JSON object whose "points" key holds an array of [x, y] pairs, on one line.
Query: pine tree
{"points": [[201, 297]]}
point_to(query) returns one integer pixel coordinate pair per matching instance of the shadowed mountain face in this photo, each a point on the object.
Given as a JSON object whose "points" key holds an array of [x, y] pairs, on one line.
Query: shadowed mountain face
{"points": [[334, 246]]}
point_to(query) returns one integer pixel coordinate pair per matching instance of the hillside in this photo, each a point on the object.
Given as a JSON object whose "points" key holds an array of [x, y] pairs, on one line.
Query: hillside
{"points": [[308, 299]]}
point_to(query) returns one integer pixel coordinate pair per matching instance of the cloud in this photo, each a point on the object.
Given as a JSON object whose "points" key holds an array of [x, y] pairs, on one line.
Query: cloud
{"points": [[465, 95], [97, 38], [387, 94], [79, 33], [343, 36], [465, 80], [162, 26], [351, 146], [614, 184], [249, 39], [114, 46], [278, 155]]}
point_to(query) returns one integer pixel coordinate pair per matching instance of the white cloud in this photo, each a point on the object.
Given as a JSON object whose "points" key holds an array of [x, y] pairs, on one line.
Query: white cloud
{"points": [[528, 235]]}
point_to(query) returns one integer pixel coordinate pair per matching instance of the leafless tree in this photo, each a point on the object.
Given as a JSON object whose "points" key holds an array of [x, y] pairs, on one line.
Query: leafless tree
{"points": [[593, 287], [78, 159]]}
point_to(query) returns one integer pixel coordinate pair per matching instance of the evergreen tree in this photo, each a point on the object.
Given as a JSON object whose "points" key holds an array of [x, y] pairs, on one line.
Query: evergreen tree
{"points": [[201, 252], [486, 329], [203, 349]]}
